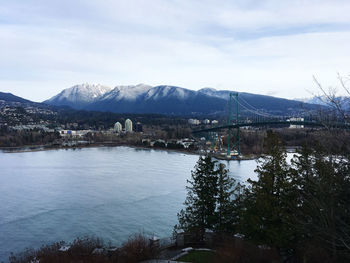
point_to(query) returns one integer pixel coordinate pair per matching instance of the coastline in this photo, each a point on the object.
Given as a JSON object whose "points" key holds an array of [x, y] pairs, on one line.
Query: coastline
{"points": [[48, 147], [39, 148]]}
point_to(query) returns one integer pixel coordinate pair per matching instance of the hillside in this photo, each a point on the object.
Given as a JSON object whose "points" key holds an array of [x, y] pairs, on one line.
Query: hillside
{"points": [[9, 97], [171, 100]]}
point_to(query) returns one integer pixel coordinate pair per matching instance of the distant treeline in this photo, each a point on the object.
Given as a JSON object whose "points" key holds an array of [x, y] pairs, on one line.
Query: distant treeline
{"points": [[15, 138], [108, 119], [336, 140]]}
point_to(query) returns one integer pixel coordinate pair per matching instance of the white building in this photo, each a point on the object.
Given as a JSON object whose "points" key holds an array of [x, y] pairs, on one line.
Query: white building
{"points": [[193, 122], [206, 121], [128, 125], [118, 127], [295, 126], [70, 133], [214, 122]]}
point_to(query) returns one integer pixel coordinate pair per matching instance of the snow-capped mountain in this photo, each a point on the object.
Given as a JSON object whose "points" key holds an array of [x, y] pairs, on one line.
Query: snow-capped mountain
{"points": [[167, 99], [343, 101], [223, 94], [249, 102], [160, 99], [160, 92], [313, 100], [79, 95], [130, 93], [146, 92]]}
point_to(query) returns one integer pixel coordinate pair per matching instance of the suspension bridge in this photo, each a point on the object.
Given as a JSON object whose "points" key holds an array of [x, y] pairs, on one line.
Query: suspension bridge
{"points": [[260, 118]]}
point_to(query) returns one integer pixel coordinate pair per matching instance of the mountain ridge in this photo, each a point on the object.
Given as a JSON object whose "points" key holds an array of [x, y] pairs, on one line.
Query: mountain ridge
{"points": [[342, 101], [79, 95], [167, 99], [9, 97]]}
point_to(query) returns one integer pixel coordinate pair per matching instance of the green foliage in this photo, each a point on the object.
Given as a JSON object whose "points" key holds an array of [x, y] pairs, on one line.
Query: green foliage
{"points": [[174, 145], [301, 209], [200, 203], [323, 216], [228, 201], [97, 119], [159, 144], [13, 138], [269, 201], [300, 205], [210, 202]]}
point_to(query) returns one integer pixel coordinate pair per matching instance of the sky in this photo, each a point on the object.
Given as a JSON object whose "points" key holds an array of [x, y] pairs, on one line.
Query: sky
{"points": [[268, 47]]}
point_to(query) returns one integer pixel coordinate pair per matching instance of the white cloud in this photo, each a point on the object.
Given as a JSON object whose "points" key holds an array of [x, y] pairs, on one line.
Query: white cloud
{"points": [[256, 46]]}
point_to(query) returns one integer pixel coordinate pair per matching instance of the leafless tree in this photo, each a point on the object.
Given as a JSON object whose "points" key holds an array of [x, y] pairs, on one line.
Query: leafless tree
{"points": [[330, 97]]}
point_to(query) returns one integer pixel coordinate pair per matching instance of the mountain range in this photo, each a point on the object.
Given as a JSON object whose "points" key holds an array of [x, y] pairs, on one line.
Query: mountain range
{"points": [[9, 97], [171, 100], [342, 101]]}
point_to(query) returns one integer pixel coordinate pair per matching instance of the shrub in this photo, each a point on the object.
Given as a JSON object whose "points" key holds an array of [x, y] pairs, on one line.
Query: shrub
{"points": [[136, 249]]}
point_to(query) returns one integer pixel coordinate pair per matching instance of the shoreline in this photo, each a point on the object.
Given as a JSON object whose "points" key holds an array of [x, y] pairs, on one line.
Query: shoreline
{"points": [[39, 148]]}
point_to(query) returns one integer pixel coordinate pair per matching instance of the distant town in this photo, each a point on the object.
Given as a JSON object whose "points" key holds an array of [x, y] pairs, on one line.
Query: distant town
{"points": [[233, 125], [37, 127]]}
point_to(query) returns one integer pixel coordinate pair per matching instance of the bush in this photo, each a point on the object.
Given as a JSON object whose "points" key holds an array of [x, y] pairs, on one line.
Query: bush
{"points": [[85, 246], [159, 144], [136, 249], [174, 145], [80, 251]]}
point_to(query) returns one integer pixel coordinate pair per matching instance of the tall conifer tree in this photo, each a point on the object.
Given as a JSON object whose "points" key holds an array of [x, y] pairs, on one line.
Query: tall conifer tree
{"points": [[199, 213], [270, 201]]}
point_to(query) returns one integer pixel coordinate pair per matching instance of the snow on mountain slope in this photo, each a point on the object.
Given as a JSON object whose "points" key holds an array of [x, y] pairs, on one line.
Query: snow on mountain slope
{"points": [[160, 92], [160, 99], [171, 100], [146, 92], [129, 93], [222, 94], [79, 95], [343, 101]]}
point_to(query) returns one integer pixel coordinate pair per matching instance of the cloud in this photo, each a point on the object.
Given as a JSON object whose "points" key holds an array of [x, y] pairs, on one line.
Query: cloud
{"points": [[255, 46]]}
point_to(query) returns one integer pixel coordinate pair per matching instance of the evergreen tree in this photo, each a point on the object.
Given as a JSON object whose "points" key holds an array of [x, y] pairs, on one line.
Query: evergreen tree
{"points": [[228, 201], [324, 213], [270, 201], [213, 200], [303, 176], [199, 213]]}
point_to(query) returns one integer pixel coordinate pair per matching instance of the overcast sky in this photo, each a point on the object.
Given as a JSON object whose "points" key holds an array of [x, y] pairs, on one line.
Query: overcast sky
{"points": [[266, 47]]}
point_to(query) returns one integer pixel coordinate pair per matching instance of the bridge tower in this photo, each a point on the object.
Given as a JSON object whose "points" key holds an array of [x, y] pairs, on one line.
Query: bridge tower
{"points": [[234, 140]]}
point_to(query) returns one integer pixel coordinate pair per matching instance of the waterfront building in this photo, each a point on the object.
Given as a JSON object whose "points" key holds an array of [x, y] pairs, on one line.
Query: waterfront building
{"points": [[72, 133], [128, 125], [118, 127], [206, 121], [194, 122], [294, 126]]}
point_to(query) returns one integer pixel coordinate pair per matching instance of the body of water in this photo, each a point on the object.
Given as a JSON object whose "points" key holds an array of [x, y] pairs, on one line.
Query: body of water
{"points": [[111, 193]]}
